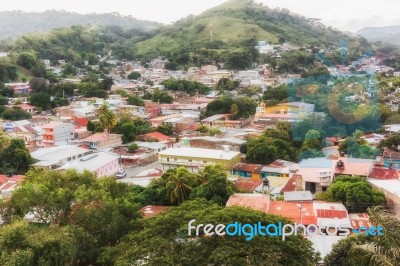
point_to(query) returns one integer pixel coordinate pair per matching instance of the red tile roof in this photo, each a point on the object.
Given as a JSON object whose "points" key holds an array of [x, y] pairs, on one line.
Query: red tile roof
{"points": [[291, 210], [257, 202], [247, 185], [158, 136], [323, 213], [359, 219], [81, 121], [252, 168], [290, 185], [96, 137], [384, 173], [151, 210]]}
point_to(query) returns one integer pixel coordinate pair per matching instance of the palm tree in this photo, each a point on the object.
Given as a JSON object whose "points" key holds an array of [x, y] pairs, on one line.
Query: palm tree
{"points": [[383, 250], [107, 118], [179, 185]]}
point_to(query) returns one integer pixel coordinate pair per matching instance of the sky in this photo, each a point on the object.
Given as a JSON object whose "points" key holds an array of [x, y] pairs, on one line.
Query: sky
{"points": [[347, 15]]}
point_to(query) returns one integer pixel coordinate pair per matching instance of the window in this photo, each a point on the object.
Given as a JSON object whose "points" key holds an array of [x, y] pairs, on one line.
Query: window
{"points": [[204, 161]]}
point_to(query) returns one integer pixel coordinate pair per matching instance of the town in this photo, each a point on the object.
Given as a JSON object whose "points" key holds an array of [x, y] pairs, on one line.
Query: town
{"points": [[294, 135]]}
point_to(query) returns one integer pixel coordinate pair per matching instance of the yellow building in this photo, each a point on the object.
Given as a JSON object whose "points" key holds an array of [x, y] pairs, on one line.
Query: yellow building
{"points": [[196, 158]]}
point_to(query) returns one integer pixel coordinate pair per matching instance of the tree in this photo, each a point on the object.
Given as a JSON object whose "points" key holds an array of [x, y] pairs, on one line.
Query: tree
{"points": [[106, 83], [39, 85], [133, 147], [384, 250], [166, 238], [354, 192], [340, 253], [215, 185], [234, 111], [40, 99], [202, 128], [68, 70], [135, 100], [26, 60], [180, 184], [87, 212], [13, 155], [162, 97], [15, 113], [91, 126], [166, 129], [107, 118], [134, 75]]}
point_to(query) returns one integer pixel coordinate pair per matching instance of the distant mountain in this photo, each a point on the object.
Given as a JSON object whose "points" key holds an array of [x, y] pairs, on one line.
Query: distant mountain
{"points": [[390, 34], [227, 27], [17, 23]]}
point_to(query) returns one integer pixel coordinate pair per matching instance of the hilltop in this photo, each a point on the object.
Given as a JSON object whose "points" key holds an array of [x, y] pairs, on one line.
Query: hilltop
{"points": [[230, 26], [17, 23]]}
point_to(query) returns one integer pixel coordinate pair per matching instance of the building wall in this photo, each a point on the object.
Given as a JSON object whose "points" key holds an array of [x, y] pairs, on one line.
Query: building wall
{"points": [[109, 169], [171, 162]]}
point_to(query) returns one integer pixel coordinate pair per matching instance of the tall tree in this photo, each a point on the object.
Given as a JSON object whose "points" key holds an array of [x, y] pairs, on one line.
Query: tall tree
{"points": [[107, 118]]}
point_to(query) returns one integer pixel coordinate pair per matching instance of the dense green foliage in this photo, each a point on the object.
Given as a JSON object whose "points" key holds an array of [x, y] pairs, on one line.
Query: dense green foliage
{"points": [[235, 26], [15, 113], [77, 44], [14, 24], [272, 145], [245, 106], [166, 238], [14, 156], [189, 87], [73, 211], [178, 185], [354, 192]]}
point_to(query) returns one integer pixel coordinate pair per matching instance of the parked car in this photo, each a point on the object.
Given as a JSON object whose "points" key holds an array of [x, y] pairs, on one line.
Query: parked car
{"points": [[120, 174]]}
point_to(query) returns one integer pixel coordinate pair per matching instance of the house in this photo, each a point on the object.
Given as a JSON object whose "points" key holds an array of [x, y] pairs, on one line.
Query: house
{"points": [[279, 168], [246, 185], [103, 140], [57, 132], [391, 158], [222, 120], [54, 157], [24, 106], [8, 185], [159, 137], [99, 163], [19, 87], [331, 214], [353, 166], [153, 146], [257, 202], [196, 158], [248, 170], [384, 173], [315, 179]]}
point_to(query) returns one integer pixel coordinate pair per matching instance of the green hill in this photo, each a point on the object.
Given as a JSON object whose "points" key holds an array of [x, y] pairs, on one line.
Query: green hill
{"points": [[17, 23], [233, 27]]}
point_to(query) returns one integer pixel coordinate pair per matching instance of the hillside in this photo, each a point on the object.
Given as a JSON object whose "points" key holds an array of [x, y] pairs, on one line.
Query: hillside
{"points": [[78, 43], [17, 23], [389, 34], [225, 28]]}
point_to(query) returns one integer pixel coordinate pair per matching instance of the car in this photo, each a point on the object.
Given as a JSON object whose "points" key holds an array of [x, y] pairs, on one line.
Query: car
{"points": [[120, 174]]}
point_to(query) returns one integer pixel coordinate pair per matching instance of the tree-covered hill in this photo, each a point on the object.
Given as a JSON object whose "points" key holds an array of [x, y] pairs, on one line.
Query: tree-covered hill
{"points": [[17, 23], [233, 27], [78, 43]]}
